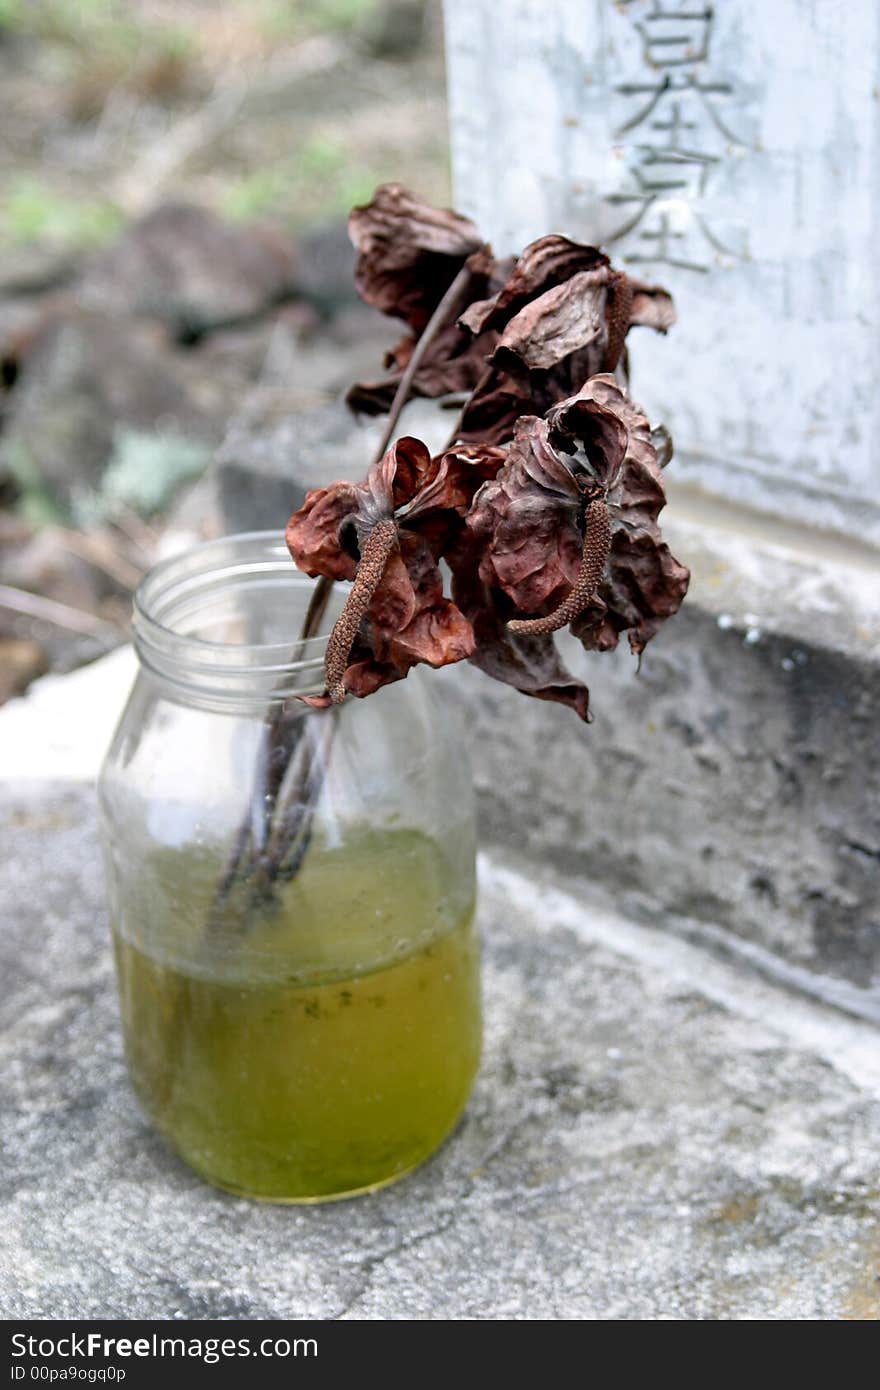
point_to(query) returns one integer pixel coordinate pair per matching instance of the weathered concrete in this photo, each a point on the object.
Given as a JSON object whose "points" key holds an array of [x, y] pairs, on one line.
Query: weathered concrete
{"points": [[732, 788], [652, 1136], [714, 148]]}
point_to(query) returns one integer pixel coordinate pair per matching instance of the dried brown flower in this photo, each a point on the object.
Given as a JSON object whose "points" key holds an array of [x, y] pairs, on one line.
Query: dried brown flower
{"points": [[527, 332], [408, 253], [388, 534], [561, 317], [409, 256], [567, 534], [545, 510]]}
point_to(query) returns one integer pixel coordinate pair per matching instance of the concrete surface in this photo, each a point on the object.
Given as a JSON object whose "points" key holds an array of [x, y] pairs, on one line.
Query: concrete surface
{"points": [[653, 1135]]}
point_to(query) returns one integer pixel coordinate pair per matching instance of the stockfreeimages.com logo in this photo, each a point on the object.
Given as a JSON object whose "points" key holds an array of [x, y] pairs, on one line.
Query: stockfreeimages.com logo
{"points": [[94, 1344]]}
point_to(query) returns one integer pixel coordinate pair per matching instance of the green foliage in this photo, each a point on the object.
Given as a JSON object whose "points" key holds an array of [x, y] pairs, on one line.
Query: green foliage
{"points": [[324, 179], [284, 18], [144, 473], [36, 503], [11, 12], [33, 211]]}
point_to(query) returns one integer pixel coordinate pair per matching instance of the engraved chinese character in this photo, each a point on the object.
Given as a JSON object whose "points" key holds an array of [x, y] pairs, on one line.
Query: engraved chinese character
{"points": [[676, 133], [675, 35]]}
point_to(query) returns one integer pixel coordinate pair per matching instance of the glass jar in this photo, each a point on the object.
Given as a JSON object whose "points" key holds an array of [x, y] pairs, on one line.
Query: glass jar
{"points": [[292, 891]]}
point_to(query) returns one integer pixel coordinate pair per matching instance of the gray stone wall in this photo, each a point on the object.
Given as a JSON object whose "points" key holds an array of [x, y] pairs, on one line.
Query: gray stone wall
{"points": [[729, 791]]}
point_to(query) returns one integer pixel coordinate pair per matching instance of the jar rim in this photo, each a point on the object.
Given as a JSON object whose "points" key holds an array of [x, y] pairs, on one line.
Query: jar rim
{"points": [[176, 590]]}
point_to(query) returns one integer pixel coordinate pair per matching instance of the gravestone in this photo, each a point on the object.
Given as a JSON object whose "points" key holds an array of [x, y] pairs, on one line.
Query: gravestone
{"points": [[730, 152]]}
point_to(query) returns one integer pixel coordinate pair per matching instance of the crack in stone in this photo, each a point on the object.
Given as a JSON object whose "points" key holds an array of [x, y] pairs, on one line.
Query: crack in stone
{"points": [[371, 1263]]}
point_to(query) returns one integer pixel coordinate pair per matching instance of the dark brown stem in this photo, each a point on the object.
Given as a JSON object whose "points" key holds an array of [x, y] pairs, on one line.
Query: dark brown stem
{"points": [[447, 309], [273, 756], [375, 553], [597, 543], [296, 820], [273, 759], [282, 734], [620, 299], [316, 609]]}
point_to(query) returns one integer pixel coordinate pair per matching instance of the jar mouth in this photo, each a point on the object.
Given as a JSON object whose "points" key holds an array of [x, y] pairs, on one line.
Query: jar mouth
{"points": [[223, 619]]}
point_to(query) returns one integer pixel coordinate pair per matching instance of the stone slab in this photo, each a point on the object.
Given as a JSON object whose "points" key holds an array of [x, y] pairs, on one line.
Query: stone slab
{"points": [[731, 789], [717, 150], [652, 1136]]}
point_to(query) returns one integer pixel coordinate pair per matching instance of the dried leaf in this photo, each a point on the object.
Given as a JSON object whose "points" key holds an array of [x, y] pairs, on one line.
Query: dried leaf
{"points": [[406, 617], [531, 665], [543, 265], [558, 318], [408, 252]]}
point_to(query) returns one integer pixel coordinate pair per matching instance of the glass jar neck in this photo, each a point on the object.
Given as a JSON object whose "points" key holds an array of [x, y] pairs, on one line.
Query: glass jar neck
{"points": [[219, 625]]}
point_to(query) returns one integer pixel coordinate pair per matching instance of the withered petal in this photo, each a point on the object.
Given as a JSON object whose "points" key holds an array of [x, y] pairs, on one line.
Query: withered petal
{"points": [[524, 524], [564, 320], [396, 478], [652, 307], [600, 420], [409, 252], [531, 665], [544, 264], [459, 472], [645, 586], [409, 621], [312, 533]]}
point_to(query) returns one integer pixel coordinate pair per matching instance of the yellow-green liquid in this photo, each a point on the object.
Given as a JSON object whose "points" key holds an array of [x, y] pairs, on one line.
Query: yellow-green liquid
{"points": [[331, 1046]]}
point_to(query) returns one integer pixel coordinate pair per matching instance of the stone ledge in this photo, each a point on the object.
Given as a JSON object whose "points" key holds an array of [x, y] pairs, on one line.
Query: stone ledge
{"points": [[733, 787], [652, 1136]]}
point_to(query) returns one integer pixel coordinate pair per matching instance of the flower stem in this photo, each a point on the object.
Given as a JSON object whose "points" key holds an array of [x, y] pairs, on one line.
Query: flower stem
{"points": [[446, 310], [281, 736]]}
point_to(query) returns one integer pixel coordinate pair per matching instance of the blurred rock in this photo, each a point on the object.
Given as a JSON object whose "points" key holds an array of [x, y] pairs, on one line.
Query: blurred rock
{"points": [[86, 375], [326, 267], [186, 267], [21, 661], [395, 28], [45, 565], [33, 267], [249, 351]]}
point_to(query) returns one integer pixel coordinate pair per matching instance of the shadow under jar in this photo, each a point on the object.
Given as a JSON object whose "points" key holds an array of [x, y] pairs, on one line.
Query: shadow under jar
{"points": [[292, 891]]}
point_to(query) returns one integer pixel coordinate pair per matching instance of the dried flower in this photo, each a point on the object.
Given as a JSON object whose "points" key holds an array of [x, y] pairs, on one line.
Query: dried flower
{"points": [[567, 532], [388, 534], [528, 331], [561, 317], [409, 254], [545, 510]]}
